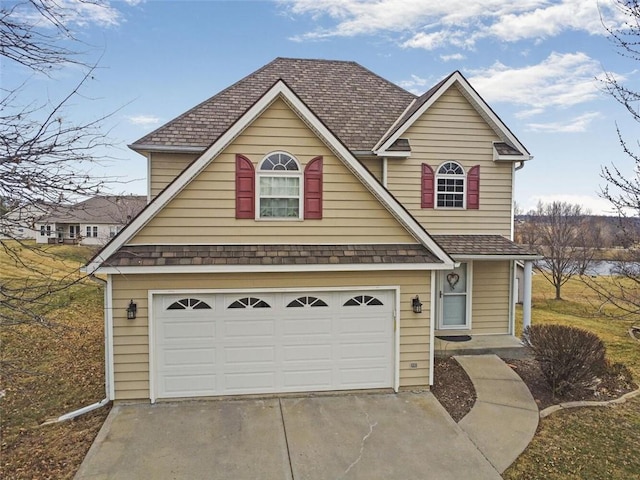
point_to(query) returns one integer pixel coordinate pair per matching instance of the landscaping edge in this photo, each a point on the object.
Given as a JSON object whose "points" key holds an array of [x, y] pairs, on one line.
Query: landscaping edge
{"points": [[588, 403]]}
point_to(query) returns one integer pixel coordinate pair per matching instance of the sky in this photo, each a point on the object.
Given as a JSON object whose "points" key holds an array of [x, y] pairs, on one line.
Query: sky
{"points": [[538, 63]]}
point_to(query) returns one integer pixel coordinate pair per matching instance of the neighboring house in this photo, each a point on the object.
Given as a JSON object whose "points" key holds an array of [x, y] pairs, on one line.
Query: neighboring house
{"points": [[91, 222], [19, 223], [312, 227]]}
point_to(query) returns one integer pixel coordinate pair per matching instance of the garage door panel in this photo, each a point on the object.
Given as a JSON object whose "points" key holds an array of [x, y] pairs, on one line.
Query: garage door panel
{"points": [[177, 385], [250, 382], [179, 331], [249, 355], [363, 351], [311, 325], [318, 344], [191, 357], [247, 329], [307, 353]]}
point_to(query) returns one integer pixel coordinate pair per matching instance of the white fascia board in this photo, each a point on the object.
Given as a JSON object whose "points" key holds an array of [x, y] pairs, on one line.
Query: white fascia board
{"points": [[369, 267], [279, 89], [497, 257], [395, 154], [477, 101]]}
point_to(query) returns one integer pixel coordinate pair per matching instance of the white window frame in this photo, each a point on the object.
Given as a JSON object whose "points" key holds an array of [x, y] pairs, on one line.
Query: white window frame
{"points": [[92, 231], [454, 176], [299, 174]]}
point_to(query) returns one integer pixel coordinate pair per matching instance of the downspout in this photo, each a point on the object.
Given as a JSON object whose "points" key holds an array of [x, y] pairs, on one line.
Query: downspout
{"points": [[384, 172], [104, 401]]}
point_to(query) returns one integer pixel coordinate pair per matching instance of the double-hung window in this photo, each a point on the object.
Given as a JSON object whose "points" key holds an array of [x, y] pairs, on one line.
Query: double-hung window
{"points": [[279, 187]]}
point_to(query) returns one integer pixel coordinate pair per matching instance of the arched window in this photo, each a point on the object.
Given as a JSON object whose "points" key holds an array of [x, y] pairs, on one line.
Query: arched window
{"points": [[279, 180], [249, 302], [362, 301], [188, 304], [450, 186], [307, 302]]}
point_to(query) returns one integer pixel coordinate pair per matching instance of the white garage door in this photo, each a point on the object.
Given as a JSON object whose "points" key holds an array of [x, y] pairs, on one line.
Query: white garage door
{"points": [[224, 344]]}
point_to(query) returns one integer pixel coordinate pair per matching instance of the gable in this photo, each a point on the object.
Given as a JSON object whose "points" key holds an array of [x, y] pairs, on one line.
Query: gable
{"points": [[453, 130], [204, 211]]}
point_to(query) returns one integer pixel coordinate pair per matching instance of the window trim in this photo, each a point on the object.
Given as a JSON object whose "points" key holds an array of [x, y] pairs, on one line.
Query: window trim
{"points": [[437, 192], [299, 174]]}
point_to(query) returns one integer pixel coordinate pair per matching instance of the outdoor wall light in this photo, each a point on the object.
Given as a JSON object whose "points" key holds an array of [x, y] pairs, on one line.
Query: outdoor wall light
{"points": [[132, 310], [416, 305]]}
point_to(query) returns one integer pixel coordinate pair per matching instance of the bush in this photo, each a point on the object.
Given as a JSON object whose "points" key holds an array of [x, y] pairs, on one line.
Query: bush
{"points": [[571, 359]]}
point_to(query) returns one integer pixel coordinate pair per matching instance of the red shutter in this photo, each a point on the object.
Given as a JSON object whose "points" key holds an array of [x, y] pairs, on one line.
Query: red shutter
{"points": [[313, 189], [245, 188], [473, 188], [427, 193]]}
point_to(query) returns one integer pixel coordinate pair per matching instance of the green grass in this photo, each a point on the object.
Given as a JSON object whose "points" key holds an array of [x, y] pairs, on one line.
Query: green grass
{"points": [[586, 443]]}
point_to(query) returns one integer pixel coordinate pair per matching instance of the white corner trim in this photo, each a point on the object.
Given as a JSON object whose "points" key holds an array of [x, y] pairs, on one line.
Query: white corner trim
{"points": [[109, 357], [279, 89], [432, 324]]}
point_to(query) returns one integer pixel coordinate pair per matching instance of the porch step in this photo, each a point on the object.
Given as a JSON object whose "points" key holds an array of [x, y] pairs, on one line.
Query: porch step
{"points": [[506, 346]]}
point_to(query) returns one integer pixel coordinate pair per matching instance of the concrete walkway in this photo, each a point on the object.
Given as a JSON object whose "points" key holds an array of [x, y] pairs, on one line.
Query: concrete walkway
{"points": [[505, 416]]}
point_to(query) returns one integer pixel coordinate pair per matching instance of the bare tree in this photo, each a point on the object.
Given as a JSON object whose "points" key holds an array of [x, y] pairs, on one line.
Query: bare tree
{"points": [[45, 157], [560, 230], [623, 190]]}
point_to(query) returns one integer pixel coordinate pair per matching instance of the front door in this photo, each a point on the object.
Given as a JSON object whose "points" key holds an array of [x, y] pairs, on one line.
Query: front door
{"points": [[453, 296]]}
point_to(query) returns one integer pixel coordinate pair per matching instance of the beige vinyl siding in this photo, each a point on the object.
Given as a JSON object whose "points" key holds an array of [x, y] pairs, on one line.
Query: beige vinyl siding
{"points": [[130, 337], [491, 287], [374, 165], [204, 212], [451, 129], [165, 167]]}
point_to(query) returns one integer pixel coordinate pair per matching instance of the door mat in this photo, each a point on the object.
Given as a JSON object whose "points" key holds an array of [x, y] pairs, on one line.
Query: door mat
{"points": [[454, 338]]}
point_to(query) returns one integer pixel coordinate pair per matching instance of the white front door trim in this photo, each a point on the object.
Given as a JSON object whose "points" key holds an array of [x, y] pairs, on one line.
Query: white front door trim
{"points": [[469, 294], [153, 381]]}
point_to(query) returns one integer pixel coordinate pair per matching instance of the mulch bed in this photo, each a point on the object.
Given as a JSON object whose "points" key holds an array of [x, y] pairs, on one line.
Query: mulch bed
{"points": [[454, 390]]}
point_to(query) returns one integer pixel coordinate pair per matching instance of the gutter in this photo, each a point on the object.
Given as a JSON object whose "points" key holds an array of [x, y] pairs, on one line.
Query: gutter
{"points": [[104, 401]]}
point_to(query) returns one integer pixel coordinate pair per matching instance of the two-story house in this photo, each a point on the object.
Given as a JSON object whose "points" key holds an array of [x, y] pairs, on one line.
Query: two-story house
{"points": [[312, 227]]}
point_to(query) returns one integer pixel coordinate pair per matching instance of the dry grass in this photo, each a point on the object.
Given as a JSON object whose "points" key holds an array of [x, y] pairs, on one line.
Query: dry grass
{"points": [[51, 370], [587, 443]]}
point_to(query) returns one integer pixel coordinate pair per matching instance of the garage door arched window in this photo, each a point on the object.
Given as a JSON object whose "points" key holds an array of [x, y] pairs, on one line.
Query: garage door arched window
{"points": [[189, 304], [249, 302], [362, 301], [279, 187], [307, 302]]}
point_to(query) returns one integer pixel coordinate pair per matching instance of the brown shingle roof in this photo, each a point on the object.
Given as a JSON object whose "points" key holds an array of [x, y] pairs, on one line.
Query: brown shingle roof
{"points": [[357, 105], [481, 245], [505, 149], [158, 255]]}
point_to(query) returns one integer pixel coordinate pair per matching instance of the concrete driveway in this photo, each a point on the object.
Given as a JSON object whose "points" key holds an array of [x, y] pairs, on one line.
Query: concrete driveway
{"points": [[360, 436]]}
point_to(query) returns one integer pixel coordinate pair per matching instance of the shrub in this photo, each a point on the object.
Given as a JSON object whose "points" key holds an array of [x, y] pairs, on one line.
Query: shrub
{"points": [[571, 359]]}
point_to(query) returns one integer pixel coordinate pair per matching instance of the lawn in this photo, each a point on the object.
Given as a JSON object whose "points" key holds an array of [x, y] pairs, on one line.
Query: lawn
{"points": [[586, 443], [50, 368]]}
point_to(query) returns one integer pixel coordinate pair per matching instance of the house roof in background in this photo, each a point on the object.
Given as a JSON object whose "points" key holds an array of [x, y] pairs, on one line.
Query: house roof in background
{"points": [[102, 209], [357, 105]]}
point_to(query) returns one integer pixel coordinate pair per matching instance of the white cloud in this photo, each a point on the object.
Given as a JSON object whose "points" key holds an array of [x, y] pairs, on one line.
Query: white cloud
{"points": [[575, 125], [144, 120], [453, 57], [561, 80], [430, 25], [74, 12], [591, 203], [416, 84]]}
